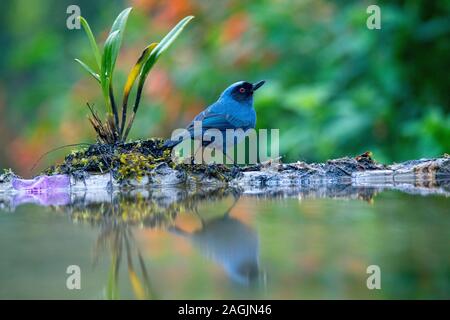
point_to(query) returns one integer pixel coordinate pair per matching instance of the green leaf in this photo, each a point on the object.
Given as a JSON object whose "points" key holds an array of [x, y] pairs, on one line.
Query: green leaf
{"points": [[110, 51], [172, 35], [112, 289], [162, 46], [151, 60], [91, 38], [113, 43], [134, 73], [132, 76], [89, 70], [121, 21]]}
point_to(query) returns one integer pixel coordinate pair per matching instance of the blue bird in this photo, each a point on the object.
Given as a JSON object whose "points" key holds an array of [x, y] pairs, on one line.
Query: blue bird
{"points": [[233, 110]]}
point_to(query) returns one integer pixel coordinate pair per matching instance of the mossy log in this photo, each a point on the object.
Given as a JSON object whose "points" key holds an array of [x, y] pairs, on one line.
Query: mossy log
{"points": [[416, 176]]}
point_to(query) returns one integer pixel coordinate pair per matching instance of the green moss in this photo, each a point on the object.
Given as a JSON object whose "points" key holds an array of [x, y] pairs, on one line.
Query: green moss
{"points": [[125, 160], [132, 160], [134, 165]]}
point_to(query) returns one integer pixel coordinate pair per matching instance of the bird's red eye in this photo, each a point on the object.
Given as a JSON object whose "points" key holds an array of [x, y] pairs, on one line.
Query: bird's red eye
{"points": [[241, 90]]}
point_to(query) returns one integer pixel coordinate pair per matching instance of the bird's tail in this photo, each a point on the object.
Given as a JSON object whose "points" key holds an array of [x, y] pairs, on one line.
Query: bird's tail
{"points": [[171, 143]]}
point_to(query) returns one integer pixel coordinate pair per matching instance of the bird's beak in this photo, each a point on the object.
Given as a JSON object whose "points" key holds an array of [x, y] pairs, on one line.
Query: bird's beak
{"points": [[258, 84]]}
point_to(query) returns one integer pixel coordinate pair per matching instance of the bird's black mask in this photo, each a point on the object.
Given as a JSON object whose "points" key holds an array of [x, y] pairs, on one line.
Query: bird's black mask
{"points": [[242, 92]]}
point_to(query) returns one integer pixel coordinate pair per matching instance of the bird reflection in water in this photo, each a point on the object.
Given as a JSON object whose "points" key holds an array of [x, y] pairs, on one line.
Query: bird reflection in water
{"points": [[224, 239], [229, 242]]}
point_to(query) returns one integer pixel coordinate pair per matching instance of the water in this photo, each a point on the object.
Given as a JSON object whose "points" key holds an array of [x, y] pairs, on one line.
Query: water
{"points": [[180, 244]]}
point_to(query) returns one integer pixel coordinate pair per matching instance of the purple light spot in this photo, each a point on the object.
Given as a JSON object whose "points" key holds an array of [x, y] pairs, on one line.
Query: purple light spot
{"points": [[41, 183]]}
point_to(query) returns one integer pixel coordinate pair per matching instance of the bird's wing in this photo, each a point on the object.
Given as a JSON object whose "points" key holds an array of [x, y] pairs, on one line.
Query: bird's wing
{"points": [[212, 120]]}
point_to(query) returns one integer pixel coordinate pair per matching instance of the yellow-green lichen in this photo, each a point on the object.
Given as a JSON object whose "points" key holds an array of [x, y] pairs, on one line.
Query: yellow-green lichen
{"points": [[132, 160]]}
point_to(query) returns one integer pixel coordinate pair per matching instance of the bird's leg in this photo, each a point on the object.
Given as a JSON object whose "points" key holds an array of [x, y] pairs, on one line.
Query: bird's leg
{"points": [[178, 231], [235, 170], [202, 221], [206, 160], [235, 200], [195, 154], [218, 149], [224, 152], [269, 163], [229, 158]]}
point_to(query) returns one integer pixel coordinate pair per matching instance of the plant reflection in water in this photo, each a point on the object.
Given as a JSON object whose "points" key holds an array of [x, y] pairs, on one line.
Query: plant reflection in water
{"points": [[224, 239]]}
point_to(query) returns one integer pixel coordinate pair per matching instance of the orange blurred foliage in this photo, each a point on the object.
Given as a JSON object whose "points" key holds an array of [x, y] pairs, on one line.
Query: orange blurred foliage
{"points": [[234, 27], [165, 12]]}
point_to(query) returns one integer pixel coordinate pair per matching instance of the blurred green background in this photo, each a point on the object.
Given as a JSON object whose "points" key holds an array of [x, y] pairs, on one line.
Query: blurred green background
{"points": [[334, 87]]}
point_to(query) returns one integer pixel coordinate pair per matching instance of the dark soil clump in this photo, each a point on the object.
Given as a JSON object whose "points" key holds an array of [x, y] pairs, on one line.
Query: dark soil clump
{"points": [[131, 160]]}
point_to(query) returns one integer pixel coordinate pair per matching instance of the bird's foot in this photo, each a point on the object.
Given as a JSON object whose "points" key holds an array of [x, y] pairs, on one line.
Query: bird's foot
{"points": [[270, 164], [235, 170]]}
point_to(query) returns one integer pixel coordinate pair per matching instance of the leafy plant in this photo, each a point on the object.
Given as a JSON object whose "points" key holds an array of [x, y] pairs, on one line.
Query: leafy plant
{"points": [[116, 129]]}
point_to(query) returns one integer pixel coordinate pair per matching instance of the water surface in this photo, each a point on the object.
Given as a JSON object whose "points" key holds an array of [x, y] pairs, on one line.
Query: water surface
{"points": [[186, 245]]}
